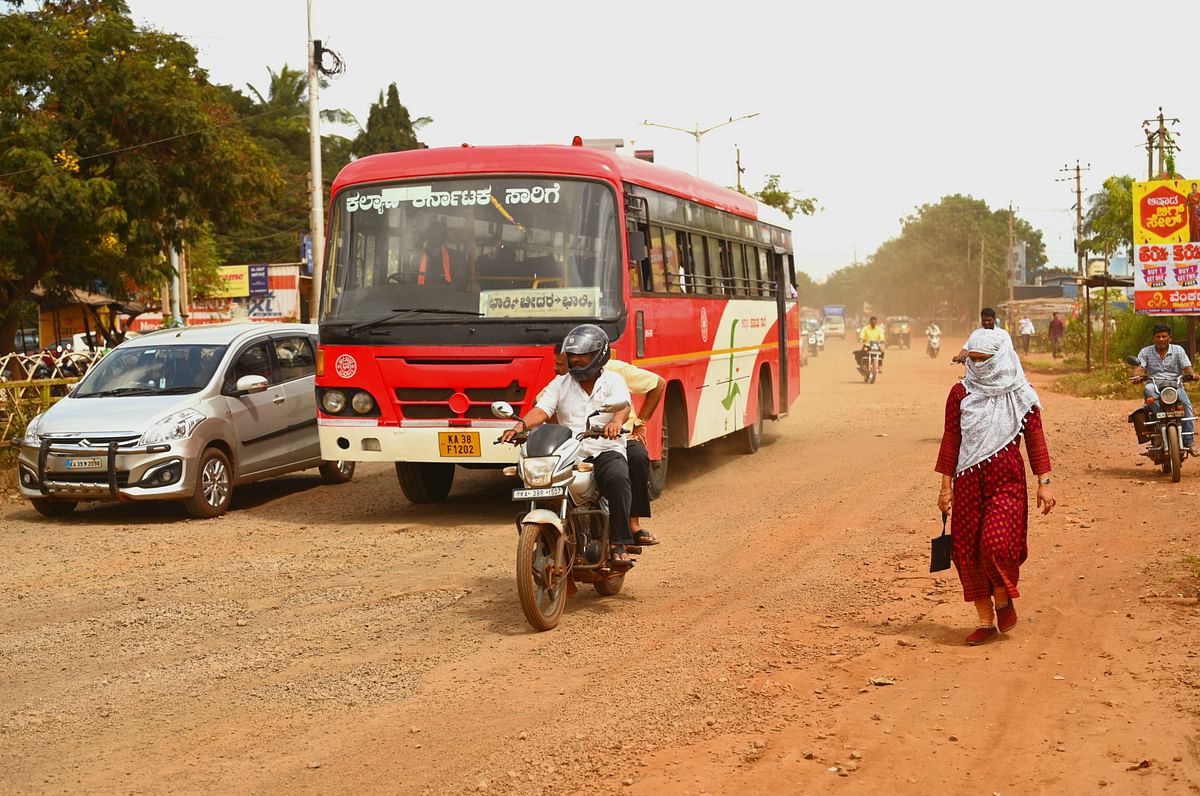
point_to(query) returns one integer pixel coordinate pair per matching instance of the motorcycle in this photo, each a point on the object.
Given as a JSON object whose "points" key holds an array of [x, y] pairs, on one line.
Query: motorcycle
{"points": [[869, 360], [813, 347], [934, 344], [564, 533], [1159, 422]]}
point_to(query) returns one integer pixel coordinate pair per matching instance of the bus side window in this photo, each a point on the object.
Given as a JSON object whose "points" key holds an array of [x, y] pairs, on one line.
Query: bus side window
{"points": [[658, 259], [700, 264], [684, 266], [740, 285]]}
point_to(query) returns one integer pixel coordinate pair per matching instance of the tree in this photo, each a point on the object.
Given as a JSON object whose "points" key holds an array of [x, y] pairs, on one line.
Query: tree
{"points": [[786, 201], [116, 149], [1108, 225], [389, 128]]}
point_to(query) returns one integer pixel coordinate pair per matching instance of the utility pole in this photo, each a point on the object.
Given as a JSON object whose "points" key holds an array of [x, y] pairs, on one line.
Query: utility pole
{"points": [[1011, 260], [696, 132], [314, 165], [982, 242], [740, 170]]}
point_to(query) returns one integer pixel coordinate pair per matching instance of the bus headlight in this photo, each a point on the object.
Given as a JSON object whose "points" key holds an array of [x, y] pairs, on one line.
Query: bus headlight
{"points": [[362, 402], [333, 401]]}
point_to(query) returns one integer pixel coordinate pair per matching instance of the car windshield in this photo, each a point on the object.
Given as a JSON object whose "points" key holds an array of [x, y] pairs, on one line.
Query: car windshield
{"points": [[485, 248], [151, 370]]}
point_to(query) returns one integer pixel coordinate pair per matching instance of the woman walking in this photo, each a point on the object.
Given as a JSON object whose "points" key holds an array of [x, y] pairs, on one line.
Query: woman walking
{"points": [[983, 477]]}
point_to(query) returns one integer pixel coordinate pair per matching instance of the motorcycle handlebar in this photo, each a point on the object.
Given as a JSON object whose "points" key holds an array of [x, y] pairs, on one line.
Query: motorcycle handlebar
{"points": [[593, 433], [518, 439]]}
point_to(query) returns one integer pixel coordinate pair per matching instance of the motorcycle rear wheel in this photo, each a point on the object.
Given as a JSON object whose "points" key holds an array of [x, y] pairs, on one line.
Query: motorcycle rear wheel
{"points": [[1174, 453], [541, 581]]}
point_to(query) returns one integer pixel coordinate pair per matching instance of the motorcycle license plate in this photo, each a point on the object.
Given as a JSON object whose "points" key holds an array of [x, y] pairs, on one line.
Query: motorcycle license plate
{"points": [[84, 464], [457, 444], [537, 494]]}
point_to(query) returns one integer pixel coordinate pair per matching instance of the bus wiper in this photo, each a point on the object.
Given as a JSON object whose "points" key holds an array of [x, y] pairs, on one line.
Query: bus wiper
{"points": [[399, 312]]}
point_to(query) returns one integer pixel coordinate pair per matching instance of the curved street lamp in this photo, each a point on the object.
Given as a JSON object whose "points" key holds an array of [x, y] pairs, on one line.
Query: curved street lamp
{"points": [[697, 133]]}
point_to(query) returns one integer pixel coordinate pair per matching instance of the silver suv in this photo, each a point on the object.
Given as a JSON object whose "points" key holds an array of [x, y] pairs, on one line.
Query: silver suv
{"points": [[181, 414]]}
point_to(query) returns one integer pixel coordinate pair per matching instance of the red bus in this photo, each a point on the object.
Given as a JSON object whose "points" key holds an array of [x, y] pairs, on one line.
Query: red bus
{"points": [[451, 273]]}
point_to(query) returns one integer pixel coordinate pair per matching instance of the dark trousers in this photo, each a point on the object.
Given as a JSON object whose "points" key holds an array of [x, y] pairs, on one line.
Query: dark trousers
{"points": [[639, 477], [1025, 343], [612, 476], [1055, 342]]}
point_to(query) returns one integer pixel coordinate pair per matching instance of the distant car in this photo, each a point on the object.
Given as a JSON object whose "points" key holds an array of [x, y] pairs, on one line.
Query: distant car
{"points": [[181, 414], [897, 330], [834, 326]]}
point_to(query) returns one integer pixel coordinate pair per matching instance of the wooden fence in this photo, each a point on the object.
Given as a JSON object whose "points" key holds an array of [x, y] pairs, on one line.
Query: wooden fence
{"points": [[31, 384]]}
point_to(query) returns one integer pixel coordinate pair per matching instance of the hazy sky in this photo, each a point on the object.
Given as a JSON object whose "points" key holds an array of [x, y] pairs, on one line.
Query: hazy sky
{"points": [[872, 107]]}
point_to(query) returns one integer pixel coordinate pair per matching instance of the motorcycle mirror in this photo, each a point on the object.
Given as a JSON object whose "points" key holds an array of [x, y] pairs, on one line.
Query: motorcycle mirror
{"points": [[503, 410], [1133, 361]]}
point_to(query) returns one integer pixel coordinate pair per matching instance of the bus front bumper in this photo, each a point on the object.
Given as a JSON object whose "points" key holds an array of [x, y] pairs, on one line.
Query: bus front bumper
{"points": [[370, 443]]}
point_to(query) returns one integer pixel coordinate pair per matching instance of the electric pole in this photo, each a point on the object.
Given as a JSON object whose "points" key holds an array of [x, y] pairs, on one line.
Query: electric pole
{"points": [[314, 164], [982, 242], [1011, 260], [697, 133], [740, 170], [1161, 139], [1079, 253]]}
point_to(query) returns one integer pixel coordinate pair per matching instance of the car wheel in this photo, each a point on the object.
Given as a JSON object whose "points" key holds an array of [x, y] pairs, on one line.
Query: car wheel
{"points": [[214, 486], [53, 508], [338, 472]]}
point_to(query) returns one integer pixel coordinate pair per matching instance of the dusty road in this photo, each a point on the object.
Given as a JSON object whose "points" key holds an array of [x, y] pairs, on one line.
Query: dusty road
{"points": [[338, 639]]}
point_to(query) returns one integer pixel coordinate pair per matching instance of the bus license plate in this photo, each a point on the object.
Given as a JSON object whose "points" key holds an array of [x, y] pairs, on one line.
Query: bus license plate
{"points": [[458, 443], [85, 464], [538, 494]]}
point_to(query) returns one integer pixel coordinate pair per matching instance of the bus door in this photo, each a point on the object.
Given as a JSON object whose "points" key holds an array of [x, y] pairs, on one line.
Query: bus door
{"points": [[781, 266]]}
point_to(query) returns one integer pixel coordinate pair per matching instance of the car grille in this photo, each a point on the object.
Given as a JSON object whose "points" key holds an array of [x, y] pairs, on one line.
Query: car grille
{"points": [[91, 477], [97, 441]]}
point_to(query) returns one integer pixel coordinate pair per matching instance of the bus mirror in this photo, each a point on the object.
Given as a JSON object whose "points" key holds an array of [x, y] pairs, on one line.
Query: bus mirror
{"points": [[637, 247]]}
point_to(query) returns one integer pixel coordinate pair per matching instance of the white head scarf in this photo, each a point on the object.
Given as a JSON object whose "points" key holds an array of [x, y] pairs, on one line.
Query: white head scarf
{"points": [[997, 400]]}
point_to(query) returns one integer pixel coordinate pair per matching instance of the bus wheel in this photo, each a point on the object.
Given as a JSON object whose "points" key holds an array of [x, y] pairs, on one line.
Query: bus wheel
{"points": [[750, 437], [658, 469], [425, 482]]}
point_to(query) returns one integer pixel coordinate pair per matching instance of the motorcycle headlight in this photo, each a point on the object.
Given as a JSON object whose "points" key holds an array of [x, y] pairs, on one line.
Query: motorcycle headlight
{"points": [[179, 425], [1169, 395], [539, 471], [32, 431]]}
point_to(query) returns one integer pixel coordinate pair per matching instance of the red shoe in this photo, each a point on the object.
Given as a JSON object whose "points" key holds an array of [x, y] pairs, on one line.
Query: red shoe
{"points": [[980, 635], [1006, 617]]}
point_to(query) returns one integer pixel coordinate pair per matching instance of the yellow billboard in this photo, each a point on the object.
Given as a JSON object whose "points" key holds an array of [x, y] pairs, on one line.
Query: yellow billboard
{"points": [[1166, 211], [233, 281]]}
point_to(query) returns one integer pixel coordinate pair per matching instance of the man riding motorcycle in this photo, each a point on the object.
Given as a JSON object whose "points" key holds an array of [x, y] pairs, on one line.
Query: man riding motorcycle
{"points": [[1167, 359], [871, 333], [573, 397], [933, 337]]}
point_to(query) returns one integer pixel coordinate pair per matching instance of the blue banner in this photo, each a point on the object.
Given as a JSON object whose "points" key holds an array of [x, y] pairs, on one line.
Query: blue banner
{"points": [[260, 284]]}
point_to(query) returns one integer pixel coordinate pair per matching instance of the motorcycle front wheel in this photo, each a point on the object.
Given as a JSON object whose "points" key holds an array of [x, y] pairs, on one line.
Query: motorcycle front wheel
{"points": [[1174, 453], [541, 578]]}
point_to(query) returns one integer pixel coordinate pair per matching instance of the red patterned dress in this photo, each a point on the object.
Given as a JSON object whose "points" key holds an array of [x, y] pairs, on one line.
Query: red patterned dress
{"points": [[991, 504]]}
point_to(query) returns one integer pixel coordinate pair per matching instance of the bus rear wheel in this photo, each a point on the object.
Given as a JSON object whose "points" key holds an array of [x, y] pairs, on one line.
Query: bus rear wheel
{"points": [[425, 482], [750, 438]]}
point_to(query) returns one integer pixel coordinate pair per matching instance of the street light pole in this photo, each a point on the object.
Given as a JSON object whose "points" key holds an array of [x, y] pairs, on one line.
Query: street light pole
{"points": [[697, 133], [314, 159]]}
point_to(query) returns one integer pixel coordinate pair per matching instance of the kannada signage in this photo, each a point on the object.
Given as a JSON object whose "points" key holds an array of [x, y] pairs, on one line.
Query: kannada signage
{"points": [[1166, 236]]}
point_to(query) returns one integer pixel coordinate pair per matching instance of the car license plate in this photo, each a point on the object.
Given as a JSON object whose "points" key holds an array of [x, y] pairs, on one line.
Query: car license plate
{"points": [[537, 494], [458, 443], [84, 464]]}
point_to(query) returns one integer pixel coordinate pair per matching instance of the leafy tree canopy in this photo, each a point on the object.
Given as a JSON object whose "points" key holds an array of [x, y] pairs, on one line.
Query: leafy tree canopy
{"points": [[1108, 225], [116, 148], [786, 201], [389, 128]]}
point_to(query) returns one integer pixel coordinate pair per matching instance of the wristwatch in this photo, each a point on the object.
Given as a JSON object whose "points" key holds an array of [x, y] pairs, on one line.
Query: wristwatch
{"points": [[1044, 481]]}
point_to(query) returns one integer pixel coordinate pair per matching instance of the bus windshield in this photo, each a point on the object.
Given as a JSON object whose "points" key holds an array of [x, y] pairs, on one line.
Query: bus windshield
{"points": [[488, 248]]}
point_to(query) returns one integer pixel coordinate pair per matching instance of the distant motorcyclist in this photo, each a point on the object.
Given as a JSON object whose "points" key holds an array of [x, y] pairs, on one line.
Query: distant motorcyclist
{"points": [[871, 333], [933, 337], [1164, 358]]}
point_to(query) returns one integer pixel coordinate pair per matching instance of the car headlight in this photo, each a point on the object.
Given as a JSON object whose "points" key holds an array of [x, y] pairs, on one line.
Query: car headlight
{"points": [[32, 431], [362, 402], [333, 401], [539, 471], [179, 425]]}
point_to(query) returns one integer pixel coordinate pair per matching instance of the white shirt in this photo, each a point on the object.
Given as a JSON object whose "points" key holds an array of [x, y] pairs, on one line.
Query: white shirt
{"points": [[1026, 326], [565, 397]]}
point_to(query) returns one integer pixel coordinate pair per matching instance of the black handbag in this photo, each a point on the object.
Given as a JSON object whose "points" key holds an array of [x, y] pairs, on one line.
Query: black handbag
{"points": [[940, 549]]}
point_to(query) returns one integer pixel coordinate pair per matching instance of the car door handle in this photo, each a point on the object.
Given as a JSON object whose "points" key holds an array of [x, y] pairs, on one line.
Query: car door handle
{"points": [[278, 399]]}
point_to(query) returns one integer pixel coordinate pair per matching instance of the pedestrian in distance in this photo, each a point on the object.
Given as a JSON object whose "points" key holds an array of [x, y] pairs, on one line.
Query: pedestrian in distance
{"points": [[983, 477], [1057, 330], [1026, 330]]}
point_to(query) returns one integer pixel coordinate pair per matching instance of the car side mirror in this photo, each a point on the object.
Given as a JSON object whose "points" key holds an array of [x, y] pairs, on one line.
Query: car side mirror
{"points": [[248, 385]]}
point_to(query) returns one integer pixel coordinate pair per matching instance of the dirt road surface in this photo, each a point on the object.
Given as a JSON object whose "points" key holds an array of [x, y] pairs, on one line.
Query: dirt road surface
{"points": [[786, 637]]}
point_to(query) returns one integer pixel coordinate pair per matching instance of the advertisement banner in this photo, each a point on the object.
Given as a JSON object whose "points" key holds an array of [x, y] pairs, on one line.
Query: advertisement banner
{"points": [[1166, 279], [1166, 211], [233, 281], [259, 281]]}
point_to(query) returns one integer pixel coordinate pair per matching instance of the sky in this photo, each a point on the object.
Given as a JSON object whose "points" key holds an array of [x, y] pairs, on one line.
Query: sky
{"points": [[874, 108]]}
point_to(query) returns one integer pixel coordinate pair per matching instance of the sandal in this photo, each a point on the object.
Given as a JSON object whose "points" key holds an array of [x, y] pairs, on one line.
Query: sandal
{"points": [[644, 538], [619, 559]]}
